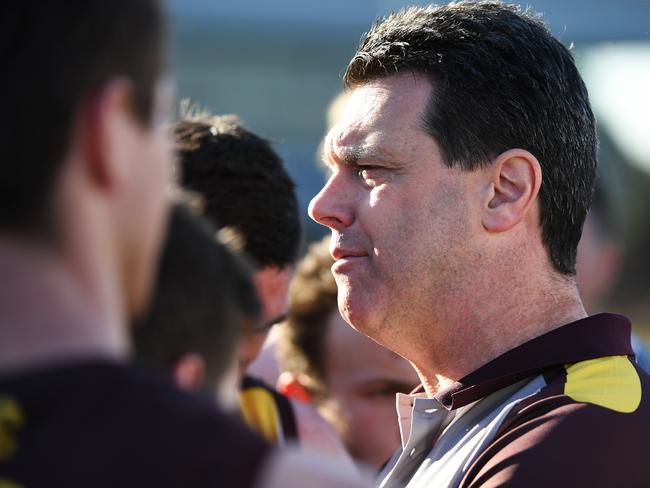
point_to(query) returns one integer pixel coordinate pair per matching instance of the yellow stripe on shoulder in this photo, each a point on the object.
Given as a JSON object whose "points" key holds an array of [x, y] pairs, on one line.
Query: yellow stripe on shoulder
{"points": [[610, 382], [258, 409]]}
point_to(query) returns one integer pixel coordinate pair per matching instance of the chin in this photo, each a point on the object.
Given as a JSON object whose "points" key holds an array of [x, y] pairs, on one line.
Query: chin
{"points": [[355, 314]]}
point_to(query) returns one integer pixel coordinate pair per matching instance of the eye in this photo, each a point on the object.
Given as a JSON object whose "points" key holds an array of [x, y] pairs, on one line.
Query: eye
{"points": [[368, 172]]}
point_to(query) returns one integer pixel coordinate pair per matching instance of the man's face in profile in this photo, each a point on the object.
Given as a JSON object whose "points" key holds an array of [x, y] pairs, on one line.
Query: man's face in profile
{"points": [[397, 213]]}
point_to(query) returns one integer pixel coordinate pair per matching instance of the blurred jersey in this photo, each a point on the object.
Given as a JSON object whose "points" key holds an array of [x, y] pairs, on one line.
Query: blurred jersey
{"points": [[267, 412], [101, 424]]}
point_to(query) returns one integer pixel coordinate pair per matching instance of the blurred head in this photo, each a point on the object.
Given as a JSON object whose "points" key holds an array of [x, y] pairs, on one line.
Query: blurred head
{"points": [[85, 165], [247, 189], [468, 140], [203, 295], [351, 379], [600, 249]]}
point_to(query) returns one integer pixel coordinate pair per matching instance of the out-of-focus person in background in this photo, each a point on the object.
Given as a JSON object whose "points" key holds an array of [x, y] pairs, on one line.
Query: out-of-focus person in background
{"points": [[351, 379], [248, 192], [600, 254], [204, 295], [83, 183]]}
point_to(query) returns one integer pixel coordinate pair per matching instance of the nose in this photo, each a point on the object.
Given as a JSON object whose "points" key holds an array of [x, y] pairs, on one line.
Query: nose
{"points": [[332, 206]]}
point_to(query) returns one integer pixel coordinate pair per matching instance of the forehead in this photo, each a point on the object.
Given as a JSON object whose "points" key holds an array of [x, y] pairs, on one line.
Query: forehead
{"points": [[382, 117]]}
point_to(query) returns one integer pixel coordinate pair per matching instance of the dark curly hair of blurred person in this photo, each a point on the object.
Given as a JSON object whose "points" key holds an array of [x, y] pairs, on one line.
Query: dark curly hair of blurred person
{"points": [[243, 183]]}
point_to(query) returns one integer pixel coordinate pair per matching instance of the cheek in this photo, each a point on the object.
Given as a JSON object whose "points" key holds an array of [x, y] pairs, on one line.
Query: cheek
{"points": [[144, 229], [161, 165], [373, 417], [393, 220], [151, 180]]}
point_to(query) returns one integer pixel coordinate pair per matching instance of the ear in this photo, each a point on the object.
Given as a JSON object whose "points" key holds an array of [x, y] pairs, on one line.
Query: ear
{"points": [[189, 372], [289, 385], [515, 178], [101, 124]]}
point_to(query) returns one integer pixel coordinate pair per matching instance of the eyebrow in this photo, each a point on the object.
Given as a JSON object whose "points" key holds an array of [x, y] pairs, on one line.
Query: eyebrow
{"points": [[352, 156]]}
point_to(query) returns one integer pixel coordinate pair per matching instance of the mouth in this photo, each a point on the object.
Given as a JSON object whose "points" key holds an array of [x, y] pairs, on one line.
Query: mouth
{"points": [[339, 254], [345, 260]]}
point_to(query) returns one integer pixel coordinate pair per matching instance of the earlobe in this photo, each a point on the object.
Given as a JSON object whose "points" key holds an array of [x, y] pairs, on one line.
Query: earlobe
{"points": [[515, 178], [189, 372]]}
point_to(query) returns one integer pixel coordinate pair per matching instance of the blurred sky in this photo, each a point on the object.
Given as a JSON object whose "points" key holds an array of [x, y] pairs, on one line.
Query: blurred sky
{"points": [[584, 20]]}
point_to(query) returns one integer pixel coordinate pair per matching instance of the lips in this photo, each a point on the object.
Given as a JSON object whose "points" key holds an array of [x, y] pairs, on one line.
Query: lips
{"points": [[346, 259], [341, 253]]}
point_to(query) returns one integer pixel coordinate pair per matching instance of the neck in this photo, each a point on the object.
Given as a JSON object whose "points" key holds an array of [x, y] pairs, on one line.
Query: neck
{"points": [[479, 333], [49, 315]]}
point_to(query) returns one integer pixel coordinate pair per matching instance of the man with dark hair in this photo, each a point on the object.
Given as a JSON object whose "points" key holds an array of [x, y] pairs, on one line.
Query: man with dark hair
{"points": [[203, 295], [85, 171], [351, 380], [247, 191], [462, 170]]}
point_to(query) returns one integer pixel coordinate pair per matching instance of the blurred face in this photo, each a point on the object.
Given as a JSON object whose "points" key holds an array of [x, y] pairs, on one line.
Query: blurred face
{"points": [[597, 265], [272, 286], [398, 215], [362, 380], [147, 150]]}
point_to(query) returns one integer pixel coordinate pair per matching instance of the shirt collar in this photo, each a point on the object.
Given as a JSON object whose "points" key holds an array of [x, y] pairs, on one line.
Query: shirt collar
{"points": [[592, 337]]}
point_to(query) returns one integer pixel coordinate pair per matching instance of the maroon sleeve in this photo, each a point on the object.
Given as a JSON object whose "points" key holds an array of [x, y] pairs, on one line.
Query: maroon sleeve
{"points": [[566, 446]]}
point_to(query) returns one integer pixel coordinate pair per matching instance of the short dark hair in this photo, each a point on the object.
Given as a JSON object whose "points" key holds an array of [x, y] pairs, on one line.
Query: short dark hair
{"points": [[54, 55], [202, 293], [312, 301], [244, 185], [500, 81]]}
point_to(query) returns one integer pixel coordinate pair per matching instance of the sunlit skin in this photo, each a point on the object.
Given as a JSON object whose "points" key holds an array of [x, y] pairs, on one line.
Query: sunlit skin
{"points": [[435, 263], [400, 231], [362, 379]]}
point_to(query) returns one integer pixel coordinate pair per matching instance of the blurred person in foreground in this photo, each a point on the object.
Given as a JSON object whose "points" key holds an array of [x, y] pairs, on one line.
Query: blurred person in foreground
{"points": [[462, 170], [600, 255], [83, 185], [204, 294], [349, 378], [248, 193], [85, 170]]}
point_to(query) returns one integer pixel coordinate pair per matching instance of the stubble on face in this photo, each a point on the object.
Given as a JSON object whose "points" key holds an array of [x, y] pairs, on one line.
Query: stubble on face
{"points": [[412, 220]]}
